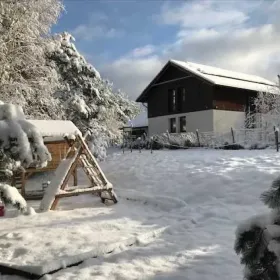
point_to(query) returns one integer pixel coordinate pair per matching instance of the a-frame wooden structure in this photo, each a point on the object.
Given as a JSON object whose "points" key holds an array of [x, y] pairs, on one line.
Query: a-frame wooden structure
{"points": [[78, 155]]}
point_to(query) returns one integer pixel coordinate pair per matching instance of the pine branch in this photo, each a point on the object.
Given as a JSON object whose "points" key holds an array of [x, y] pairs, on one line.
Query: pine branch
{"points": [[272, 197]]}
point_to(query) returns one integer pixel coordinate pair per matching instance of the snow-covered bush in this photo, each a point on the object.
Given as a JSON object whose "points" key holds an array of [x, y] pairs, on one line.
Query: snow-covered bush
{"points": [[258, 239], [25, 77], [20, 146], [88, 100]]}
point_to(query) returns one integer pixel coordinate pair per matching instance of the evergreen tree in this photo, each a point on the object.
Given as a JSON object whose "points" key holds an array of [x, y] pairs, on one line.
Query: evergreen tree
{"points": [[258, 239], [88, 100], [20, 146]]}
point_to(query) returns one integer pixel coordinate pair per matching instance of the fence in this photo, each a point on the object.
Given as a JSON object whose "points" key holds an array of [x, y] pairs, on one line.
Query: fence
{"points": [[234, 138]]}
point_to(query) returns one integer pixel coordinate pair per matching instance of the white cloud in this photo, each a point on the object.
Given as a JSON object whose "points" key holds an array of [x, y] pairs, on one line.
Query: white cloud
{"points": [[97, 27], [251, 48], [143, 51], [132, 74], [91, 31], [201, 14]]}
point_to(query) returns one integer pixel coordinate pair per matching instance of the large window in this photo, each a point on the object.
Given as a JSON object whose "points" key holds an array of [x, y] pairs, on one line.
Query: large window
{"points": [[172, 100], [176, 100], [172, 125], [181, 98], [183, 124]]}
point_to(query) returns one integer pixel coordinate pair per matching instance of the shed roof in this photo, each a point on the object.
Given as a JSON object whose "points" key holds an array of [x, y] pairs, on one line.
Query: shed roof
{"points": [[55, 128]]}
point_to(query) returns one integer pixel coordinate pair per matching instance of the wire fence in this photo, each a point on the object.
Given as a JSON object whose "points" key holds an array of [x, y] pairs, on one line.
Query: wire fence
{"points": [[233, 139]]}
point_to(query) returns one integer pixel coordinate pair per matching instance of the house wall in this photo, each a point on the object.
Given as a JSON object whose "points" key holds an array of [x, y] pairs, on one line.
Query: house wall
{"points": [[198, 93], [223, 120], [207, 120], [201, 120]]}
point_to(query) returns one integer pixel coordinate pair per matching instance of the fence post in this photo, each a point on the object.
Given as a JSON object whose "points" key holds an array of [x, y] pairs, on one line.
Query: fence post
{"points": [[232, 134], [197, 135], [276, 131], [123, 140], [152, 144], [131, 141]]}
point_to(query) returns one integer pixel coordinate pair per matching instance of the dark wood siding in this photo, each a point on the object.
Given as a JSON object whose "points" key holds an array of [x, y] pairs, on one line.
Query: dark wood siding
{"points": [[171, 73], [198, 96], [232, 99]]}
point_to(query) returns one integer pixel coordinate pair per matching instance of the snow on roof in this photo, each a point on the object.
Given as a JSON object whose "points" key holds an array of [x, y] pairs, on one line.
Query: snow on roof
{"points": [[228, 78], [55, 128]]}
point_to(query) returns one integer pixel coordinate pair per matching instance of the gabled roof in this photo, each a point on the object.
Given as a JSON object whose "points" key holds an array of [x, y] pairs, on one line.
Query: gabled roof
{"points": [[55, 128], [221, 77]]}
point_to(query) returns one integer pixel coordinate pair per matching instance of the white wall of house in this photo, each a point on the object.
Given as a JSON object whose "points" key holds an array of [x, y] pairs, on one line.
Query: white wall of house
{"points": [[207, 120], [224, 120], [202, 120]]}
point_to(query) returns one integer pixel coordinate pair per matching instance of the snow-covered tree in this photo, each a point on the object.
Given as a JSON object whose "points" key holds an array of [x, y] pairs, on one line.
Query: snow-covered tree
{"points": [[25, 77], [20, 145], [88, 100], [266, 111], [258, 239]]}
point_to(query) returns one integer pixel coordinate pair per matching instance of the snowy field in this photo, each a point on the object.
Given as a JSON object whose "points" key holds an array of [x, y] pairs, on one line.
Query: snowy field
{"points": [[182, 206]]}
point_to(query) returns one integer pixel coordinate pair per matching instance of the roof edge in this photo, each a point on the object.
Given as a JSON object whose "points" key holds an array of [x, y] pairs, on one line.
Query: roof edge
{"points": [[141, 96]]}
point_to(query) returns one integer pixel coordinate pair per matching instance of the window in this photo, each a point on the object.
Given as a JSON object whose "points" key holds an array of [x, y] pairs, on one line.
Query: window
{"points": [[181, 98], [172, 100], [172, 124], [183, 124]]}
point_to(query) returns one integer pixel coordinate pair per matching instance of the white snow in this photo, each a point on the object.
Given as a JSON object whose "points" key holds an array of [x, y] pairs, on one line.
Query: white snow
{"points": [[195, 198], [229, 78], [12, 194], [54, 127], [55, 184]]}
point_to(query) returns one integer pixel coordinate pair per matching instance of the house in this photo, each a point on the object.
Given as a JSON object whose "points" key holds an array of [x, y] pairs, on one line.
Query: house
{"points": [[186, 96]]}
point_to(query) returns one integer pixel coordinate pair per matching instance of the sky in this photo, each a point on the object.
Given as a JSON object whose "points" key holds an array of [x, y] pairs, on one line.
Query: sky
{"points": [[129, 41]]}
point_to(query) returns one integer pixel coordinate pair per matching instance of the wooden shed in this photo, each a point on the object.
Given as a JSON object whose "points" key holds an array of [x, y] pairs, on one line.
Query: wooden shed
{"points": [[53, 132]]}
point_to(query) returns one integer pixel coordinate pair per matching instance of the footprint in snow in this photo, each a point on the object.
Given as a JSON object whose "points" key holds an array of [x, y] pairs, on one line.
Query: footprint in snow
{"points": [[19, 252], [6, 245], [12, 235]]}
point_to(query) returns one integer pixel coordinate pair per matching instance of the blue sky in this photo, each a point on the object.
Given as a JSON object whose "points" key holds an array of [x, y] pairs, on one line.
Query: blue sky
{"points": [[129, 41], [106, 30]]}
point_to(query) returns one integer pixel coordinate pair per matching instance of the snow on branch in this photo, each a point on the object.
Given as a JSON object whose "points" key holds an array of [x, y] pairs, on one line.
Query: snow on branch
{"points": [[20, 146]]}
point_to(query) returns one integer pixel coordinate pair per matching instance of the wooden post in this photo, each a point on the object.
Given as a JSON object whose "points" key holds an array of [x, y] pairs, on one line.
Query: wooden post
{"points": [[197, 135], [23, 184], [232, 134], [75, 177], [277, 139], [131, 140], [152, 145]]}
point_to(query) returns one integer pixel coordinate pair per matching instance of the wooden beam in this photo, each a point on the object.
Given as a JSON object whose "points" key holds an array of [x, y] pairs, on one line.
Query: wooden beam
{"points": [[75, 176], [170, 81]]}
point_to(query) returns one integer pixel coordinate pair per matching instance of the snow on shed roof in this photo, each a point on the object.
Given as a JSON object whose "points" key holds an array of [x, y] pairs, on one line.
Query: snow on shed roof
{"points": [[55, 128], [228, 78]]}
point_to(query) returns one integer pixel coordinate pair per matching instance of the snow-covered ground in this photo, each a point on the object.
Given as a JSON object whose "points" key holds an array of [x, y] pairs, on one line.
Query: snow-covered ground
{"points": [[192, 200]]}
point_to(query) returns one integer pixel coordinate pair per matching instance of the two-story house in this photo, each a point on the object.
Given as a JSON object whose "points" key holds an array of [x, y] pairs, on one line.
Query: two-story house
{"points": [[187, 96]]}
